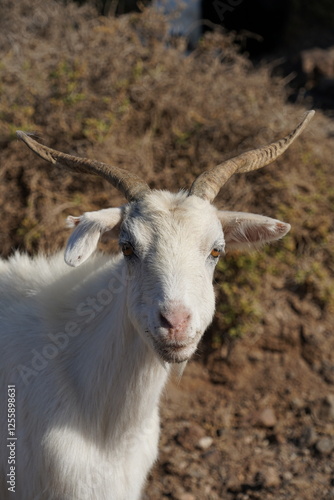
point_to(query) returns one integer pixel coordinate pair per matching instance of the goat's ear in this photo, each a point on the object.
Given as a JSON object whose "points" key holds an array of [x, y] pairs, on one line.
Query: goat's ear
{"points": [[88, 229], [244, 231]]}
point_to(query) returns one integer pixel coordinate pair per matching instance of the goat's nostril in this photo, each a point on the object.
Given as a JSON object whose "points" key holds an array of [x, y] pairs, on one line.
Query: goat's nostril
{"points": [[164, 322], [175, 318]]}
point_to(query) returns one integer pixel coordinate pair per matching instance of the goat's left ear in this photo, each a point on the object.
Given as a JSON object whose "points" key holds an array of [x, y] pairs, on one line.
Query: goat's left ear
{"points": [[88, 229], [244, 231]]}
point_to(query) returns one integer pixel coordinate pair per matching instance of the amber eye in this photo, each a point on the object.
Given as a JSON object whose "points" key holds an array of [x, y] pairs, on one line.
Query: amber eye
{"points": [[215, 253], [127, 250]]}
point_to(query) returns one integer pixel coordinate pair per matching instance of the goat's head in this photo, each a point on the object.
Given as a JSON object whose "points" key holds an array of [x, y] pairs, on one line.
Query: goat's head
{"points": [[171, 242]]}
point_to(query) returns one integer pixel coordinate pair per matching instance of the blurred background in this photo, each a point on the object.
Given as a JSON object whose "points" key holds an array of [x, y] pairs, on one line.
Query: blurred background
{"points": [[169, 89]]}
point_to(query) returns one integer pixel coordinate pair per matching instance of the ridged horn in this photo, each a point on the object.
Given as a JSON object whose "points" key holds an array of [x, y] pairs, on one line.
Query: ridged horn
{"points": [[132, 186], [209, 183]]}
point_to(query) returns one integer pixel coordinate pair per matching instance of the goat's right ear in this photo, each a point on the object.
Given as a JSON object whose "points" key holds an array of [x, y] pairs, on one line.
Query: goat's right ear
{"points": [[88, 229]]}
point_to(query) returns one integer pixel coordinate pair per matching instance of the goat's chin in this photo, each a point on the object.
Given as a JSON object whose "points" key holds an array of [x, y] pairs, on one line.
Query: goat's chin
{"points": [[172, 351], [175, 353]]}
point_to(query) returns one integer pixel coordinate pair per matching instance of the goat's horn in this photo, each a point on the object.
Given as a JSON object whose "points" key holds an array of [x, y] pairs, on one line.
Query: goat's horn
{"points": [[132, 186], [208, 184]]}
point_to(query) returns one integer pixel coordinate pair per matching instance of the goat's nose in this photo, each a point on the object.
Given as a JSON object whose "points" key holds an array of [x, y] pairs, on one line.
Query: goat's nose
{"points": [[175, 318]]}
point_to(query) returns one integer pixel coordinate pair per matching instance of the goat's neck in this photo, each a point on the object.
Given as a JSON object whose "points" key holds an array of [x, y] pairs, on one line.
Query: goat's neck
{"points": [[120, 379]]}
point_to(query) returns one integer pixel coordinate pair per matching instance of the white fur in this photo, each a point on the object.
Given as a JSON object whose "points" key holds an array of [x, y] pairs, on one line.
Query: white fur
{"points": [[88, 351]]}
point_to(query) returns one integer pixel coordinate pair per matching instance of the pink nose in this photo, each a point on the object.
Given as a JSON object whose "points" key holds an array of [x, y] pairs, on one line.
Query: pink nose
{"points": [[176, 318]]}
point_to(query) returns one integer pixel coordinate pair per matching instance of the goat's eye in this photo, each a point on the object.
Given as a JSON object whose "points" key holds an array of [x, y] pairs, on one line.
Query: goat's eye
{"points": [[127, 250], [215, 253]]}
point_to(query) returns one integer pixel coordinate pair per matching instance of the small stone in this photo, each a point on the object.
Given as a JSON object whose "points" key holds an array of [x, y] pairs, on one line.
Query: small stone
{"points": [[190, 435], [224, 351], [268, 478], [212, 456], [267, 418], [324, 446], [301, 484], [271, 478], [205, 442], [326, 411], [187, 496], [248, 439], [207, 490], [297, 404], [196, 471], [327, 370], [308, 437], [256, 356], [233, 485], [328, 469], [287, 475]]}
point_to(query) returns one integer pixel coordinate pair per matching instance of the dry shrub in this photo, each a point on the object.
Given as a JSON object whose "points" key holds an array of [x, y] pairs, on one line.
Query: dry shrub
{"points": [[119, 91]]}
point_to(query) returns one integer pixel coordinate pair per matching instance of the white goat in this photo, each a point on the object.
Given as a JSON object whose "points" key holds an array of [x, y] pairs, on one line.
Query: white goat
{"points": [[88, 350]]}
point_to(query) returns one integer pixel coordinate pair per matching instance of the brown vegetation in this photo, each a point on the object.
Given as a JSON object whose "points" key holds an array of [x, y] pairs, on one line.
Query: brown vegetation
{"points": [[119, 91]]}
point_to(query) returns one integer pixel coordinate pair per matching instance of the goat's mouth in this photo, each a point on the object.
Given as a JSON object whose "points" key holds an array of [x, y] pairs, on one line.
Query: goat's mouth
{"points": [[175, 352]]}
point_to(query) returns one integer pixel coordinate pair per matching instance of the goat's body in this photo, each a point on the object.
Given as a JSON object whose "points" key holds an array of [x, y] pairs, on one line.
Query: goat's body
{"points": [[88, 349], [81, 433]]}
